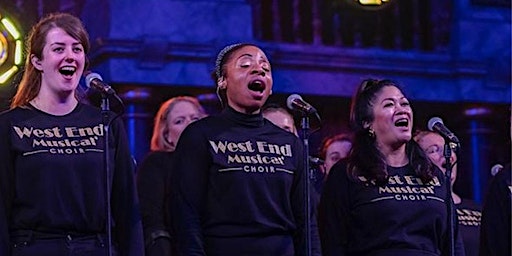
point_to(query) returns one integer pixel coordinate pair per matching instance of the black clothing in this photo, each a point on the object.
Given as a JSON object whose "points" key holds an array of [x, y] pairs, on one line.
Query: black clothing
{"points": [[496, 217], [238, 188], [152, 177], [52, 177], [403, 217], [469, 215]]}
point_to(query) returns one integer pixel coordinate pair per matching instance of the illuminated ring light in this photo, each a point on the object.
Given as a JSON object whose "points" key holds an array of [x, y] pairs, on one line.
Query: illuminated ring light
{"points": [[11, 49]]}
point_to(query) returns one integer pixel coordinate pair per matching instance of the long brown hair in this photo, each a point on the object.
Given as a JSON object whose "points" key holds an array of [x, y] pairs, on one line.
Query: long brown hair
{"points": [[31, 81], [365, 159]]}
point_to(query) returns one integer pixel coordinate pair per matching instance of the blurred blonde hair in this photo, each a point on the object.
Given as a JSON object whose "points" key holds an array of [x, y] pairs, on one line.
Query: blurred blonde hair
{"points": [[158, 140]]}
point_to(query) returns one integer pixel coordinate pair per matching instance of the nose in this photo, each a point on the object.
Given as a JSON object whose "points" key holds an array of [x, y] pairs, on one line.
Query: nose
{"points": [[258, 69], [69, 55], [188, 121]]}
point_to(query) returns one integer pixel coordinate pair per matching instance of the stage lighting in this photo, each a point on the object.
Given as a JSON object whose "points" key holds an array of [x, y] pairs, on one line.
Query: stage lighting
{"points": [[371, 2], [11, 48], [370, 5]]}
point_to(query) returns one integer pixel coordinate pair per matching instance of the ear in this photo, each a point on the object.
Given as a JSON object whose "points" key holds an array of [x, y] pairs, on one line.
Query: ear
{"points": [[36, 62], [221, 83]]}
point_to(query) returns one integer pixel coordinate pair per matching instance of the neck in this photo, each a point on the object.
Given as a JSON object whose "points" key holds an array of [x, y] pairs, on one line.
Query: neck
{"points": [[53, 105], [247, 111], [395, 157]]}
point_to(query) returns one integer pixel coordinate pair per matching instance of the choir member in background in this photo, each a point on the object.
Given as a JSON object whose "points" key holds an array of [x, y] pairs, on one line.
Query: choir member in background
{"points": [[152, 175], [469, 213]]}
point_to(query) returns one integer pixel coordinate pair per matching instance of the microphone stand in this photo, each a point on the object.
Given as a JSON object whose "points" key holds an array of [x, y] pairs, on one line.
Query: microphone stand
{"points": [[447, 152], [307, 199], [105, 112]]}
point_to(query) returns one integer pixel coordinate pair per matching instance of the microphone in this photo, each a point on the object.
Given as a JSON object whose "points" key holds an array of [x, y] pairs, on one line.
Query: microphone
{"points": [[95, 81], [496, 168], [315, 160], [295, 102], [435, 124]]}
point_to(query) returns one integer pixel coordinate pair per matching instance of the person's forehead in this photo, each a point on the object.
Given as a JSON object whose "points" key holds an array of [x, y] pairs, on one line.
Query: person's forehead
{"points": [[249, 50]]}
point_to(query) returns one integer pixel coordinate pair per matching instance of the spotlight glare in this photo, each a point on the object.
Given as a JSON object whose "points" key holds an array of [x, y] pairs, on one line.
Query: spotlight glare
{"points": [[11, 28], [370, 2], [7, 74]]}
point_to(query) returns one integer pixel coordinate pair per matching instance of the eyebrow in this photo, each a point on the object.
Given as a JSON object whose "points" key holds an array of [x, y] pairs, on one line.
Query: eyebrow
{"points": [[60, 43], [244, 55], [392, 99], [250, 55]]}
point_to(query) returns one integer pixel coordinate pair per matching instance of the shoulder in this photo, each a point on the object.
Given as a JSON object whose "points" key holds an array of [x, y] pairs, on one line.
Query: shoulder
{"points": [[209, 122], [157, 156], [15, 115], [154, 160], [338, 172]]}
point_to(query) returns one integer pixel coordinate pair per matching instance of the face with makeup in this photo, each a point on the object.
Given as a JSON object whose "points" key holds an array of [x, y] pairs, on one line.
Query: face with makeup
{"points": [[62, 62], [248, 79], [392, 118]]}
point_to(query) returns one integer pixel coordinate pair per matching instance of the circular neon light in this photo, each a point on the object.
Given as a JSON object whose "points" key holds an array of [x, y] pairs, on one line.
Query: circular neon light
{"points": [[11, 48]]}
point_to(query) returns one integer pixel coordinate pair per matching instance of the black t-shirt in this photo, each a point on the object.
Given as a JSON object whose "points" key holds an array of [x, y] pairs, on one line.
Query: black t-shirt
{"points": [[52, 176], [495, 236], [403, 217], [469, 215], [238, 188], [152, 177]]}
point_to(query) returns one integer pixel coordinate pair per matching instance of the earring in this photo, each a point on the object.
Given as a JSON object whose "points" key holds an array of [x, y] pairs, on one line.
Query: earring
{"points": [[371, 133]]}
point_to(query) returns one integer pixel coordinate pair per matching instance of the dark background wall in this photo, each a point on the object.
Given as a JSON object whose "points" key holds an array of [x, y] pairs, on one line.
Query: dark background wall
{"points": [[451, 57]]}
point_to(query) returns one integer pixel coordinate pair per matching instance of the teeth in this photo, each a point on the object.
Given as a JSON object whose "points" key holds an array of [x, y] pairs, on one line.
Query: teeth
{"points": [[402, 122], [71, 69]]}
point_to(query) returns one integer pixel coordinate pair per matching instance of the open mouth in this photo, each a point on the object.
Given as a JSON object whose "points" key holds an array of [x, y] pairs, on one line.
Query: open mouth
{"points": [[402, 122], [257, 85], [67, 70]]}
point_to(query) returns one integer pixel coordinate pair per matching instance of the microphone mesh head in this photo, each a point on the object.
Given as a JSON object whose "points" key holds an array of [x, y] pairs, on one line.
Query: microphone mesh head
{"points": [[91, 76], [496, 168], [433, 121], [291, 98]]}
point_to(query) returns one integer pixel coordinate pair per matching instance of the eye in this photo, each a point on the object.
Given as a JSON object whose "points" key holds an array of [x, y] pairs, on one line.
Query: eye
{"points": [[432, 149], [266, 67], [405, 103], [178, 121], [245, 63], [335, 158], [78, 49], [388, 104], [58, 49]]}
